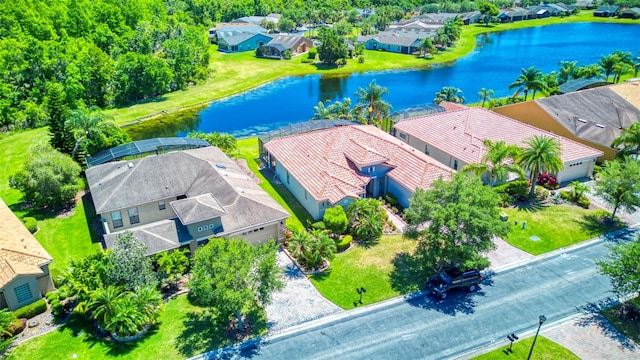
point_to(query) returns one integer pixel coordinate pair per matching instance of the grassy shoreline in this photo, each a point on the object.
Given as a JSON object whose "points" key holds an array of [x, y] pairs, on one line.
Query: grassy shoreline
{"points": [[233, 74]]}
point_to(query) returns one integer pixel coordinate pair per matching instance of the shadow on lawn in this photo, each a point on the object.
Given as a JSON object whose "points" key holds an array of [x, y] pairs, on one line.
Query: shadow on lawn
{"points": [[529, 205], [599, 223], [408, 274]]}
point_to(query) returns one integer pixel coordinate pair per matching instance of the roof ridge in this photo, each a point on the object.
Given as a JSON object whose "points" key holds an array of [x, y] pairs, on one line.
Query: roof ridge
{"points": [[123, 179], [25, 253]]}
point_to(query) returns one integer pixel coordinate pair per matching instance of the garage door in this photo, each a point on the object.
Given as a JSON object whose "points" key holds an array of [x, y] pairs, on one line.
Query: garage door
{"points": [[574, 171]]}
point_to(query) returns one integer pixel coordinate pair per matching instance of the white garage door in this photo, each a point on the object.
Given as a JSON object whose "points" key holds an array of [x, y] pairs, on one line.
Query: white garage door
{"points": [[575, 171]]}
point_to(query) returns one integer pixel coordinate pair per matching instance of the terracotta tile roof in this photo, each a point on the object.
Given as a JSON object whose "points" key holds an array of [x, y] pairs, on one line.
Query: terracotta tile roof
{"points": [[451, 106], [460, 133], [20, 252], [326, 162]]}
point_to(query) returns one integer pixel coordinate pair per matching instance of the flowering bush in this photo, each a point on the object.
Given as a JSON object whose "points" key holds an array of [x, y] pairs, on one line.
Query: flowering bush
{"points": [[548, 181]]}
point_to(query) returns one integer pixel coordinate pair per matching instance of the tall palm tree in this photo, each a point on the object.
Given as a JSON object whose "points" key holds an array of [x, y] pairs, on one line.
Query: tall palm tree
{"points": [[541, 153], [568, 71], [450, 94], [103, 302], [427, 47], [87, 124], [320, 111], [636, 64], [485, 94], [370, 103], [588, 71], [529, 79], [630, 139], [500, 160], [606, 63], [620, 69]]}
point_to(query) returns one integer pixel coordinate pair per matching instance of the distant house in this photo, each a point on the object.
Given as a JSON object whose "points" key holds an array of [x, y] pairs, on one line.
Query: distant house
{"points": [[416, 25], [584, 4], [231, 29], [401, 41], [606, 11], [633, 13], [594, 117], [280, 43], [257, 20], [334, 166], [455, 138], [238, 42], [24, 263], [182, 198], [568, 9], [516, 14]]}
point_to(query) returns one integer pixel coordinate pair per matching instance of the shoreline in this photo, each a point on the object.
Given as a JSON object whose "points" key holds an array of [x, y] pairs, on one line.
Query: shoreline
{"points": [[466, 45]]}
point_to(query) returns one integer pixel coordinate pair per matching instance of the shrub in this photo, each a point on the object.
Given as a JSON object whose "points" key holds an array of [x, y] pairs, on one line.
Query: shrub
{"points": [[287, 54], [31, 310], [548, 181], [307, 61], [565, 195], [17, 326], [31, 224], [511, 190], [313, 52], [319, 225], [541, 193], [260, 52], [361, 59], [51, 296], [390, 199], [584, 202], [335, 220], [344, 243], [57, 308]]}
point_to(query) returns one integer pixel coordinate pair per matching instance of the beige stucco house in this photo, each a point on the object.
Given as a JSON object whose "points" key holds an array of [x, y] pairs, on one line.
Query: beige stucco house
{"points": [[182, 198], [455, 138], [594, 117], [24, 263], [334, 166]]}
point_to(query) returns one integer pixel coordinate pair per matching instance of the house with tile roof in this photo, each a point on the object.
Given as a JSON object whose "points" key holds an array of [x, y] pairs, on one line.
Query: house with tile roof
{"points": [[594, 117], [24, 263], [182, 198], [455, 138], [334, 166]]}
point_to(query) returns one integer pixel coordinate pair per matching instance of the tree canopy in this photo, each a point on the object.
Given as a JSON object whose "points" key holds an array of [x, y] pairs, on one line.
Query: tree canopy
{"points": [[461, 217], [622, 266], [618, 184], [333, 47], [540, 154]]}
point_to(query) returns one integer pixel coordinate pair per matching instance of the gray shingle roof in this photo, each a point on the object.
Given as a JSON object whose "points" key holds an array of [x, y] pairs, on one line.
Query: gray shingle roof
{"points": [[285, 42], [197, 208], [402, 38], [121, 185], [159, 236], [596, 115], [236, 38]]}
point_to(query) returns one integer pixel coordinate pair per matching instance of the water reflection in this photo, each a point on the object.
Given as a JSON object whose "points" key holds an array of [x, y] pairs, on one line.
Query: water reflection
{"points": [[333, 87]]}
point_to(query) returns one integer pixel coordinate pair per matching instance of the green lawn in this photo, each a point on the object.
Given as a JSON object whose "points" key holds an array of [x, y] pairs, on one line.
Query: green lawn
{"points": [[235, 73], [185, 330], [386, 269], [248, 150], [65, 237], [544, 349], [556, 226], [625, 326]]}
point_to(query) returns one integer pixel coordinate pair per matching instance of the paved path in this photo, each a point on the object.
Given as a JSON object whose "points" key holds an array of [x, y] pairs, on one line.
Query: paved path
{"points": [[298, 302]]}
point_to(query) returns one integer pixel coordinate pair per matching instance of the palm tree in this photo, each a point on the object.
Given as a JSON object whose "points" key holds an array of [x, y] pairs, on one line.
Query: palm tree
{"points": [[630, 139], [370, 102], [322, 247], [127, 318], [299, 245], [588, 71], [320, 111], [148, 300], [529, 79], [485, 94], [103, 302], [636, 65], [450, 94], [568, 71], [172, 265], [620, 69], [87, 124], [340, 109], [577, 190], [427, 47], [541, 153], [606, 63], [500, 160]]}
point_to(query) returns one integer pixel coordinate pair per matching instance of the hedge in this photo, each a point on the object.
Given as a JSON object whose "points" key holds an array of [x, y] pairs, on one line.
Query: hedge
{"points": [[31, 310], [344, 243], [31, 224]]}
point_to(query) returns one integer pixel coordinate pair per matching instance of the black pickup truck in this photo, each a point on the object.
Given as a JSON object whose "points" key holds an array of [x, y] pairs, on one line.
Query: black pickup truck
{"points": [[441, 283]]}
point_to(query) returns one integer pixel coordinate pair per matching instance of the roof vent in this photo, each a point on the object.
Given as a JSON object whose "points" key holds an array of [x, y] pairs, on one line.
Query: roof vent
{"points": [[240, 190], [600, 126], [220, 166], [130, 165], [582, 120]]}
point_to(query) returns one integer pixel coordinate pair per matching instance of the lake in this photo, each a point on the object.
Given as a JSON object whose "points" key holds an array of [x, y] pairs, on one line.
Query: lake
{"points": [[494, 64]]}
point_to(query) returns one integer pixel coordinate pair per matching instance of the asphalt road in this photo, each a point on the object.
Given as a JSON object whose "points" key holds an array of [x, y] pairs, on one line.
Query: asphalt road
{"points": [[557, 286]]}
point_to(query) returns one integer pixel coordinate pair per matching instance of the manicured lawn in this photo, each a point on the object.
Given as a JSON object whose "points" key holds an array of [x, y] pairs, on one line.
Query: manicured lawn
{"points": [[544, 349], [626, 326], [385, 270], [248, 150], [66, 237], [185, 330], [555, 226]]}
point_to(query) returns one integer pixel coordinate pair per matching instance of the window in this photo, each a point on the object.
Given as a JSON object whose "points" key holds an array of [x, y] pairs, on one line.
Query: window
{"points": [[455, 164], [288, 180], [23, 293], [181, 197], [116, 219], [371, 169], [426, 149], [133, 216], [403, 136], [305, 194], [161, 205], [199, 228]]}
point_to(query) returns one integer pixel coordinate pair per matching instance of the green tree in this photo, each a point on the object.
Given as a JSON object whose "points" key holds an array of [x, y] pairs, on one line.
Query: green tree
{"points": [[335, 219], [462, 217], [618, 184], [286, 25], [310, 249], [366, 219], [629, 139], [232, 275], [488, 11], [6, 335], [621, 265], [225, 142], [529, 79], [607, 64], [172, 265], [48, 178], [103, 303], [427, 47], [370, 106], [485, 94], [540, 154], [87, 124], [450, 94], [129, 266], [321, 112], [568, 71], [588, 71], [127, 318], [499, 160], [332, 47], [58, 111]]}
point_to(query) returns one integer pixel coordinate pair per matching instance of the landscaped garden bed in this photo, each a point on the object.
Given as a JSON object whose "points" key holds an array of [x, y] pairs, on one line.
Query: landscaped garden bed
{"points": [[625, 318]]}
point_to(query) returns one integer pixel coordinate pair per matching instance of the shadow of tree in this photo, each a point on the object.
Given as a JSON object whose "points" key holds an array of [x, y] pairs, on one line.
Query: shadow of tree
{"points": [[598, 223], [456, 302], [369, 243], [202, 330], [595, 319], [409, 273], [529, 205]]}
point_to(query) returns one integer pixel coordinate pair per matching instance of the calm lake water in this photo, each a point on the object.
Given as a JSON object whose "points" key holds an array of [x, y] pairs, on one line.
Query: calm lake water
{"points": [[494, 64]]}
